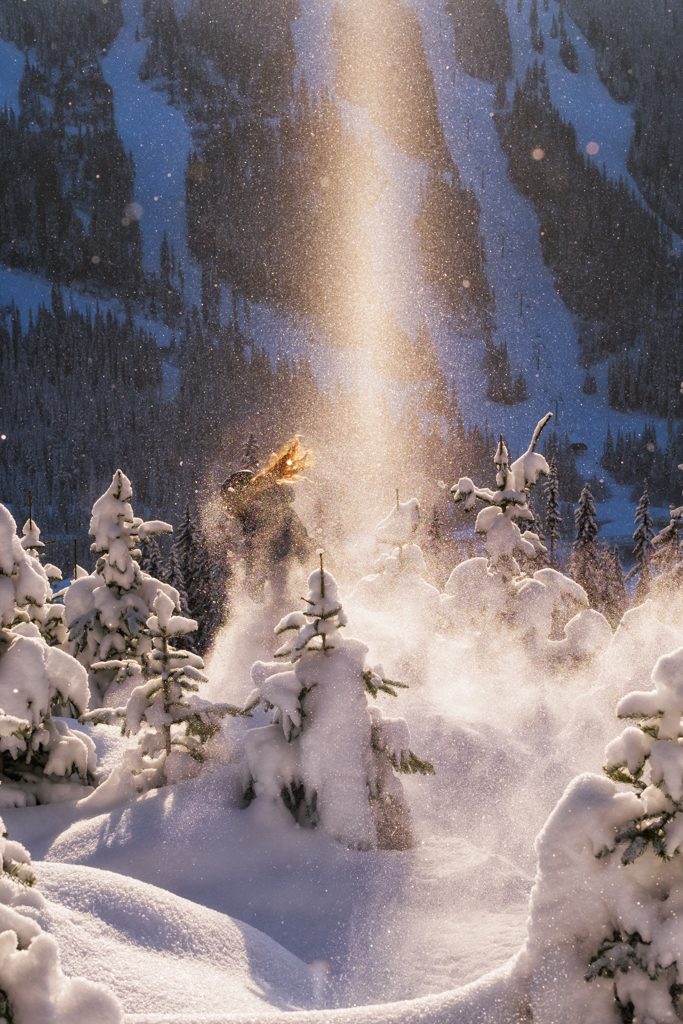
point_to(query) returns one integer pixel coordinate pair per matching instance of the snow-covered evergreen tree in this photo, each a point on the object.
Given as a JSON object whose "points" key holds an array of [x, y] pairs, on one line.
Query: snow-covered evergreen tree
{"points": [[33, 987], [107, 611], [171, 723], [606, 907], [327, 756], [47, 615], [408, 605], [553, 516], [401, 567], [508, 503], [547, 613], [41, 758]]}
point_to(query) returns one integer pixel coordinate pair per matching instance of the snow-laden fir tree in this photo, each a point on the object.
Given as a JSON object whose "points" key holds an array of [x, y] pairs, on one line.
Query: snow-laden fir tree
{"points": [[41, 758], [642, 544], [107, 611], [33, 987], [332, 760], [547, 612], [403, 605], [401, 568], [172, 724], [497, 522], [553, 516], [608, 904], [48, 615]]}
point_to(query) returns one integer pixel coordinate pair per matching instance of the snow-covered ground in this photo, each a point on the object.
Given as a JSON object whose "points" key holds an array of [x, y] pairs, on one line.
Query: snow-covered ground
{"points": [[162, 954], [160, 140], [199, 912]]}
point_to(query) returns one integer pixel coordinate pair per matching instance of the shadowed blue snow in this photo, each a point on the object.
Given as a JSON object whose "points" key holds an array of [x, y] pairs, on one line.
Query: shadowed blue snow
{"points": [[160, 140], [582, 97], [11, 70]]}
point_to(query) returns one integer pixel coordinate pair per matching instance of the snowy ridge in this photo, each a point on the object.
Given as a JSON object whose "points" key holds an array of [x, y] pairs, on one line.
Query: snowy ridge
{"points": [[160, 140], [582, 98], [531, 318]]}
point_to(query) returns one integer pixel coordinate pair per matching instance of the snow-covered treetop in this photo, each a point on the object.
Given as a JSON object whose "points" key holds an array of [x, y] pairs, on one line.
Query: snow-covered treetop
{"points": [[116, 532], [503, 538], [112, 518], [399, 527], [513, 481], [649, 757], [22, 579], [317, 625], [30, 539]]}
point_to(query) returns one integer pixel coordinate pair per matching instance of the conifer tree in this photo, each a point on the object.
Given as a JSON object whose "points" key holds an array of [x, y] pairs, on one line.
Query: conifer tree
{"points": [[107, 611], [585, 520], [642, 543], [509, 502], [48, 616], [205, 580], [152, 560], [597, 568], [329, 758], [172, 725], [642, 946], [553, 516], [41, 758]]}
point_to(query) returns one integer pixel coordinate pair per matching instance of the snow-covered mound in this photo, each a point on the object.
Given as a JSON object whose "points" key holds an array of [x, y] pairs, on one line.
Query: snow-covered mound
{"points": [[161, 954]]}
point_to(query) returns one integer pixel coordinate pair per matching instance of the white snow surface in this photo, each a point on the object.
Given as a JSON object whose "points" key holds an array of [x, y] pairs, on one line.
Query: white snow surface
{"points": [[162, 953]]}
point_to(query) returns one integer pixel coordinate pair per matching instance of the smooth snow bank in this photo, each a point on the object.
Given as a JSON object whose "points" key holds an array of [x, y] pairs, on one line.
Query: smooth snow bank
{"points": [[162, 954], [492, 1000]]}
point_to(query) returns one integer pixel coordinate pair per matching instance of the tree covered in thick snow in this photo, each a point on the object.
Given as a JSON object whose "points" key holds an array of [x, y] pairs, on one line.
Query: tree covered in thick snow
{"points": [[33, 987], [398, 589], [607, 906], [48, 615], [332, 760], [497, 521], [107, 611], [173, 726], [41, 757], [547, 612]]}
